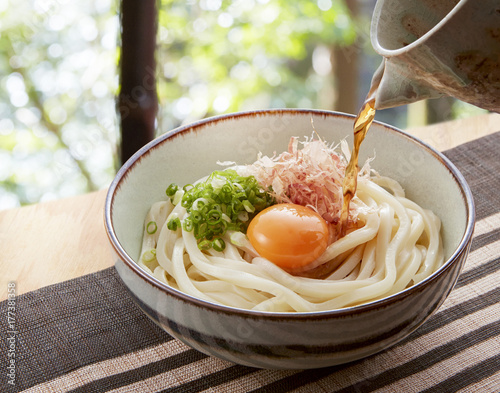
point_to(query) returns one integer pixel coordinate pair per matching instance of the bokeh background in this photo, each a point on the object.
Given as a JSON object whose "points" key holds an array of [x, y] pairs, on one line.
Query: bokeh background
{"points": [[59, 79]]}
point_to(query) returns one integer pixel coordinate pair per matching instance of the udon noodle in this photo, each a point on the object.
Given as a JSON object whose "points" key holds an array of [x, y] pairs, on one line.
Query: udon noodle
{"points": [[394, 245]]}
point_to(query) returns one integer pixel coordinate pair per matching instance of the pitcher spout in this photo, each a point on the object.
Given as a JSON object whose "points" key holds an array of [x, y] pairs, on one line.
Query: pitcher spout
{"points": [[397, 86]]}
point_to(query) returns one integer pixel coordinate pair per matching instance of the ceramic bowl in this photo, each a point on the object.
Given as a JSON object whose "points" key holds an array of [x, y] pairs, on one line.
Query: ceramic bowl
{"points": [[284, 340]]}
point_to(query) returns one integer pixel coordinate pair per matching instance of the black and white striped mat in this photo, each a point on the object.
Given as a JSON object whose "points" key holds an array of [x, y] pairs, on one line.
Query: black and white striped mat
{"points": [[85, 335]]}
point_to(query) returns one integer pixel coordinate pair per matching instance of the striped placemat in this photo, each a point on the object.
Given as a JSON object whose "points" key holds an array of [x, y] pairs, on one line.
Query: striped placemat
{"points": [[86, 335]]}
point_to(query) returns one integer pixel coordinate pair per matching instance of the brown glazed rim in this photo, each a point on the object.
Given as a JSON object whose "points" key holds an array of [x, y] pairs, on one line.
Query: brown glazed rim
{"points": [[313, 315]]}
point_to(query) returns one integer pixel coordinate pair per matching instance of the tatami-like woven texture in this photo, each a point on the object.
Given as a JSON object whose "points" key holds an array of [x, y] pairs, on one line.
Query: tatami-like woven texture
{"points": [[86, 335]]}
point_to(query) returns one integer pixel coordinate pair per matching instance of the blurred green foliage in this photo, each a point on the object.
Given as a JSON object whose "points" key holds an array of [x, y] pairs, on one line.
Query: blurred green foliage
{"points": [[223, 56], [58, 78]]}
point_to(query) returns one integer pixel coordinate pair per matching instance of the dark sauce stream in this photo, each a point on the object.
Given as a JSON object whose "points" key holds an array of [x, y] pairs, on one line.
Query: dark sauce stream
{"points": [[362, 123]]}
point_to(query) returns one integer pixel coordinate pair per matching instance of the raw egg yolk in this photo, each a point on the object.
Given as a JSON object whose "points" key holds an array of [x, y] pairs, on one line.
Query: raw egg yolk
{"points": [[289, 235]]}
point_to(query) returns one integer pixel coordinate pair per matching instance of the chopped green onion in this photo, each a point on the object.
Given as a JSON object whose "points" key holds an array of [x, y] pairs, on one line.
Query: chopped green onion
{"points": [[151, 227], [173, 224], [196, 216], [234, 226], [171, 190], [202, 230], [187, 224], [204, 245], [243, 216], [219, 244], [248, 206], [177, 197], [224, 201], [149, 256], [214, 217]]}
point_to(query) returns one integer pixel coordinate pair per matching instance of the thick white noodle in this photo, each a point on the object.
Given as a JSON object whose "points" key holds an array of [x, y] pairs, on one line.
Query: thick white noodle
{"points": [[397, 245]]}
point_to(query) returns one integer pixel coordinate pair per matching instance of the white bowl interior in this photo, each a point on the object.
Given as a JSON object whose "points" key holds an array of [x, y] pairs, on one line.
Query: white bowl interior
{"points": [[193, 152]]}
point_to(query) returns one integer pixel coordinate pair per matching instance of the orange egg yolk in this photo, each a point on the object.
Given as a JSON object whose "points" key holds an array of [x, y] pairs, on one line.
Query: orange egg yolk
{"points": [[289, 235]]}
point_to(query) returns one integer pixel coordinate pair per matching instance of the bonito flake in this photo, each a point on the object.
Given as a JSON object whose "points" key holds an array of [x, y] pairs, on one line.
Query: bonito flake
{"points": [[311, 176]]}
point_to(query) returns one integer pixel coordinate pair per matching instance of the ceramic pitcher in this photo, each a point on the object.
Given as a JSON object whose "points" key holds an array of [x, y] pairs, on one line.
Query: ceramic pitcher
{"points": [[433, 48]]}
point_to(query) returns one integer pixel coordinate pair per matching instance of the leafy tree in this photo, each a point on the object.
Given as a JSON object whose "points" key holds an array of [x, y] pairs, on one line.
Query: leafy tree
{"points": [[218, 56], [57, 119], [58, 76]]}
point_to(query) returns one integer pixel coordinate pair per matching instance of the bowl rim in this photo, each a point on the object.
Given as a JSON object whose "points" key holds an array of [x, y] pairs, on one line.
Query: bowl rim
{"points": [[462, 247]]}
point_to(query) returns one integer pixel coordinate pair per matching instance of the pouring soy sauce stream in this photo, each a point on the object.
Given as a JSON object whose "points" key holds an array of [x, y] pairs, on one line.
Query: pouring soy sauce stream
{"points": [[426, 54], [362, 123]]}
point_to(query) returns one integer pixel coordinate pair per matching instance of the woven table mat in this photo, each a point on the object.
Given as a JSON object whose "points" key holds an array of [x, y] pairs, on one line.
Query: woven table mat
{"points": [[86, 335]]}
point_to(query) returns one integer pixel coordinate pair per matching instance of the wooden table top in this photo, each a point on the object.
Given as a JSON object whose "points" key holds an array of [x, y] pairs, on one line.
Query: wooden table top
{"points": [[55, 241]]}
